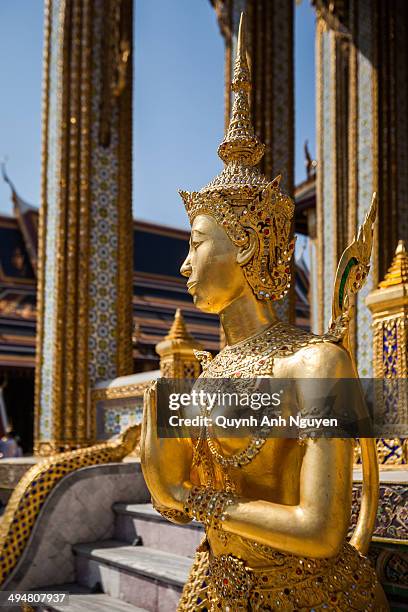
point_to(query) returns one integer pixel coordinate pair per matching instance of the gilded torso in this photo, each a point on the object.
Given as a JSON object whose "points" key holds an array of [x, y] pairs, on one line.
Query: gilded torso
{"points": [[267, 469], [239, 573]]}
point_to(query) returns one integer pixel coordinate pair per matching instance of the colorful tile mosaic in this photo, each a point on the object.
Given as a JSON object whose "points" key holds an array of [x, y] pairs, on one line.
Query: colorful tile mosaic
{"points": [[365, 161], [103, 296], [327, 165], [57, 8], [116, 418]]}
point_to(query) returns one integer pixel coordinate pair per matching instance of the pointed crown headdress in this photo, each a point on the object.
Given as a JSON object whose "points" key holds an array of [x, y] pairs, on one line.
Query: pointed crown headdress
{"points": [[241, 198]]}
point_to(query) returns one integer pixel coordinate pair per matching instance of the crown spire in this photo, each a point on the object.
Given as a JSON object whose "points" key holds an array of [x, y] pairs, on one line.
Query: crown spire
{"points": [[241, 199], [240, 143]]}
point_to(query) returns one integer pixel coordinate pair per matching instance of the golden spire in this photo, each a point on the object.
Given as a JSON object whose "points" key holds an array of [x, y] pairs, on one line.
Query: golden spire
{"points": [[241, 150], [240, 143], [178, 329], [242, 200], [398, 271], [176, 350]]}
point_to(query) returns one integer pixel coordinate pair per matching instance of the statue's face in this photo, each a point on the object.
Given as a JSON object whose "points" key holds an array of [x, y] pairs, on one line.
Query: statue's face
{"points": [[215, 278]]}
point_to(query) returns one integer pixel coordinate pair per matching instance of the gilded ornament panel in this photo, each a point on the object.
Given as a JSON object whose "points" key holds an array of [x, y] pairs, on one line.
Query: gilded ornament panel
{"points": [[392, 514]]}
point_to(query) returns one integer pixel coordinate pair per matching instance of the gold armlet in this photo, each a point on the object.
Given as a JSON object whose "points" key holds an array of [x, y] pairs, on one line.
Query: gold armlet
{"points": [[175, 516], [208, 506]]}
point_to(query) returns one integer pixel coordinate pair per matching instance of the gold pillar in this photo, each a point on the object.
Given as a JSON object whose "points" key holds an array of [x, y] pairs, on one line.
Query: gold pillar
{"points": [[177, 359], [85, 228], [389, 308]]}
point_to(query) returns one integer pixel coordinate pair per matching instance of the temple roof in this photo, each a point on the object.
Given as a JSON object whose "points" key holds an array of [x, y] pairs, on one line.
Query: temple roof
{"points": [[27, 219], [15, 264]]}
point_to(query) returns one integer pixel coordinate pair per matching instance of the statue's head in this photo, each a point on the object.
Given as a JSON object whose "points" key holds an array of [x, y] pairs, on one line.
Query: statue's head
{"points": [[240, 222]]}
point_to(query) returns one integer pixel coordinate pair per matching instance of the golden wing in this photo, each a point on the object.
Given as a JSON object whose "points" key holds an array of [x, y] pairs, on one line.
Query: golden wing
{"points": [[352, 272]]}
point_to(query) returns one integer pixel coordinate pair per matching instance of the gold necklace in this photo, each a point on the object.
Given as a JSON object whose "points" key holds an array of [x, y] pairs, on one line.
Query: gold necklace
{"points": [[277, 340], [254, 356]]}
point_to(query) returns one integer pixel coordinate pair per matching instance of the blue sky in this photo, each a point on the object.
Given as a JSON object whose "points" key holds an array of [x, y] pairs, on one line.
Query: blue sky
{"points": [[178, 100]]}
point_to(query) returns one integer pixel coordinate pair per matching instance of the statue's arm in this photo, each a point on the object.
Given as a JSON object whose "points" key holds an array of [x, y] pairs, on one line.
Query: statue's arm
{"points": [[318, 524]]}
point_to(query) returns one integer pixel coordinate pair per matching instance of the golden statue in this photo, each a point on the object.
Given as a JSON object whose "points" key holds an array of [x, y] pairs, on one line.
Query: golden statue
{"points": [[276, 511]]}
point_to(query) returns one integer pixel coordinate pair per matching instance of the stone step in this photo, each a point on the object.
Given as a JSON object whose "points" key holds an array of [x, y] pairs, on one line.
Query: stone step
{"points": [[141, 576], [81, 598], [135, 521]]}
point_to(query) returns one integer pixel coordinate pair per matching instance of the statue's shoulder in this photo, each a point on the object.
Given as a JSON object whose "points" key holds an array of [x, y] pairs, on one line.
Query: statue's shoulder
{"points": [[290, 338], [258, 355], [316, 355]]}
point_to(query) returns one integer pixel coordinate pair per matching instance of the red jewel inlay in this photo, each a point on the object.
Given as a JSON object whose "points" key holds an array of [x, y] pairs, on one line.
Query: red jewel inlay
{"points": [[225, 581], [298, 571], [266, 232]]}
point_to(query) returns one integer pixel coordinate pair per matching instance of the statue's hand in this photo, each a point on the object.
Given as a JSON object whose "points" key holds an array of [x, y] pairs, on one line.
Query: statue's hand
{"points": [[166, 462]]}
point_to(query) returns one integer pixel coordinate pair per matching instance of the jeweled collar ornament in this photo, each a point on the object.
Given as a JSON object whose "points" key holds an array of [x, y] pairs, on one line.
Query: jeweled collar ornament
{"points": [[241, 198]]}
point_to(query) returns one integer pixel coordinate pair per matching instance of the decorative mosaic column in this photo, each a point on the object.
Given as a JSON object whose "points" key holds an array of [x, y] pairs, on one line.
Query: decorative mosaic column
{"points": [[269, 35], [85, 233], [331, 193], [362, 53], [389, 308], [177, 359]]}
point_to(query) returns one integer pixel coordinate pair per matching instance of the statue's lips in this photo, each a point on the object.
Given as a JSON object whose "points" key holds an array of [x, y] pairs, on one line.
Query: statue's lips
{"points": [[191, 286]]}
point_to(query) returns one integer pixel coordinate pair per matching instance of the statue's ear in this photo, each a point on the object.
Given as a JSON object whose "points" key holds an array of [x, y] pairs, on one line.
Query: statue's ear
{"points": [[247, 251]]}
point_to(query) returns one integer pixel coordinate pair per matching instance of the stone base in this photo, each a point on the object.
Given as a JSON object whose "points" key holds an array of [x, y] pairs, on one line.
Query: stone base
{"points": [[11, 471]]}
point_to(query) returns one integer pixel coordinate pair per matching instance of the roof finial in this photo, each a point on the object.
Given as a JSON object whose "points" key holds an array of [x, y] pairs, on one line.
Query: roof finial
{"points": [[398, 271], [178, 330], [242, 77], [240, 143], [310, 163]]}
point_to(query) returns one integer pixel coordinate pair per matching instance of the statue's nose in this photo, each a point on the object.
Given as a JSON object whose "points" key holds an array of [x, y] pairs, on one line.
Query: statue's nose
{"points": [[185, 269]]}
